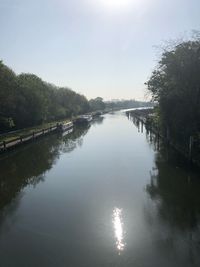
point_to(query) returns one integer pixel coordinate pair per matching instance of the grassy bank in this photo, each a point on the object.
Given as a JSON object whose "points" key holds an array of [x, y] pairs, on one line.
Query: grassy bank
{"points": [[16, 134]]}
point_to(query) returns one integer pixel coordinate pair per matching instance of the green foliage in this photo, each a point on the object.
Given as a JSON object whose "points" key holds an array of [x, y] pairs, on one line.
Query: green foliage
{"points": [[126, 104], [7, 95], [26, 100], [97, 104], [175, 84]]}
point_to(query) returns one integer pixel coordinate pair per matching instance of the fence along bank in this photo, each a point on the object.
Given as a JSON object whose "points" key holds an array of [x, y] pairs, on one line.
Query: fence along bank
{"points": [[13, 143]]}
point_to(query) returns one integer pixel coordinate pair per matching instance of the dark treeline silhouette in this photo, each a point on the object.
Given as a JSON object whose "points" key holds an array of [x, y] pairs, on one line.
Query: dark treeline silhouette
{"points": [[97, 104], [126, 104], [26, 100], [175, 85]]}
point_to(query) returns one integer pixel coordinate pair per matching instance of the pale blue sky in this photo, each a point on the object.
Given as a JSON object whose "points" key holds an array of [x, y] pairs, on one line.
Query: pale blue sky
{"points": [[92, 47]]}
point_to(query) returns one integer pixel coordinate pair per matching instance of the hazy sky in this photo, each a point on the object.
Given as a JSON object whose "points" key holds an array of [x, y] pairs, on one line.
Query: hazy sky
{"points": [[96, 47]]}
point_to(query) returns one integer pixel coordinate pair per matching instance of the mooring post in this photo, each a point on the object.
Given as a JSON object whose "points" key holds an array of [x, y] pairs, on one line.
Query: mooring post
{"points": [[150, 135], [168, 141], [158, 136], [190, 147], [142, 127]]}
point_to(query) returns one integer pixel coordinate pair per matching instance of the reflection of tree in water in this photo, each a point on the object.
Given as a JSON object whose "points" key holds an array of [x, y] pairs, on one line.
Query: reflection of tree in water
{"points": [[75, 139], [176, 194], [98, 120], [28, 164], [174, 189], [175, 207], [9, 211]]}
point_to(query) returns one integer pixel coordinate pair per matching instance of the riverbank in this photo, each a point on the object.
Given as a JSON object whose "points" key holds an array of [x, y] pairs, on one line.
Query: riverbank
{"points": [[14, 142], [149, 118], [26, 131], [13, 139], [8, 136]]}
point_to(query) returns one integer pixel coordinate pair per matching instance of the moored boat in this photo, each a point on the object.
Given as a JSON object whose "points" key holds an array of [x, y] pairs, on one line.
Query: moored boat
{"points": [[83, 119], [97, 114], [65, 126]]}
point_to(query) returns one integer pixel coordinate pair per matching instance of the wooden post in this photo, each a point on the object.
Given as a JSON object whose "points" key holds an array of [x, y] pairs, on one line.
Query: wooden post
{"points": [[190, 147], [150, 135], [167, 134], [4, 144], [158, 141], [142, 127]]}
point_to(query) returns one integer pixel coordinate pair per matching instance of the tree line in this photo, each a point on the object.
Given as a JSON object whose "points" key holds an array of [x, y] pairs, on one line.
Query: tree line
{"points": [[26, 100], [127, 104], [175, 86]]}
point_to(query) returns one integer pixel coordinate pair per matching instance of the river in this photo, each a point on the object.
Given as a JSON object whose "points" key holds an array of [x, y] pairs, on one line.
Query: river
{"points": [[101, 196]]}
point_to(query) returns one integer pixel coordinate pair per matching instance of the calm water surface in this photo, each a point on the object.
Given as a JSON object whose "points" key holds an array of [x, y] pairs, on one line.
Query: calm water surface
{"points": [[102, 196]]}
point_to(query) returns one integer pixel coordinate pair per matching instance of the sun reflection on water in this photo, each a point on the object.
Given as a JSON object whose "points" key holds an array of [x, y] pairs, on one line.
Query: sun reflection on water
{"points": [[118, 228]]}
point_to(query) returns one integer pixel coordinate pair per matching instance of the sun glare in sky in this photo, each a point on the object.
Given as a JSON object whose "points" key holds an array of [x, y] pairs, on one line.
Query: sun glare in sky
{"points": [[116, 3]]}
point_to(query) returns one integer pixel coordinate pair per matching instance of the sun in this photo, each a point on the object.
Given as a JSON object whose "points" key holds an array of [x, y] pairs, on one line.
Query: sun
{"points": [[116, 3]]}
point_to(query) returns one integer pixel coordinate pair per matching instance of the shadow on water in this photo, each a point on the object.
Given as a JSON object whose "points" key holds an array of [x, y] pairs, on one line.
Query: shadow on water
{"points": [[176, 197], [174, 191], [173, 185], [171, 155], [98, 120], [28, 164]]}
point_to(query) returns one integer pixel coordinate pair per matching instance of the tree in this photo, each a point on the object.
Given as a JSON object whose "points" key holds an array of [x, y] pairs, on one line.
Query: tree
{"points": [[175, 84], [8, 85], [26, 100], [97, 104]]}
